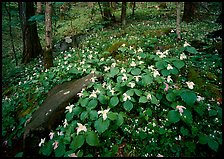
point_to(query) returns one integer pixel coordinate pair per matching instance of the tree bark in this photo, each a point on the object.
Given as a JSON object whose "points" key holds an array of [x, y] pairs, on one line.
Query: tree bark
{"points": [[39, 8], [133, 8], [48, 58], [10, 31], [31, 43], [190, 9], [123, 13], [178, 21]]}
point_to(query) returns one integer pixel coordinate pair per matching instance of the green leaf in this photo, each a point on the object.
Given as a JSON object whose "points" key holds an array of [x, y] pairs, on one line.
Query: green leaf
{"points": [[149, 112], [188, 97], [154, 100], [102, 99], [77, 142], [73, 70], [135, 71], [69, 116], [77, 110], [184, 131], [138, 92], [120, 119], [147, 79], [128, 105], [162, 131], [174, 71], [165, 72], [203, 139], [93, 115], [187, 116], [84, 102], [47, 149], [92, 104], [20, 154], [113, 71], [143, 99], [114, 101], [101, 125], [92, 138], [130, 92], [191, 50], [173, 116], [84, 115], [178, 64], [171, 97], [161, 65], [60, 150], [212, 112], [112, 116], [214, 145]]}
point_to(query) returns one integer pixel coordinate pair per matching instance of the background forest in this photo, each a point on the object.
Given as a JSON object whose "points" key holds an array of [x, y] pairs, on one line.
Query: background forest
{"points": [[150, 79]]}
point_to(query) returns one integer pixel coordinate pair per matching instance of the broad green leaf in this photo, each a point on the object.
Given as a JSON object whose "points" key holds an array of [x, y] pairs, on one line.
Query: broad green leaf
{"points": [[162, 131], [165, 72], [130, 92], [69, 116], [173, 116], [77, 110], [136, 71], [92, 138], [184, 131], [188, 97], [102, 99], [93, 115], [120, 119], [171, 97], [174, 71], [84, 102], [60, 150], [84, 115], [47, 148], [214, 145], [161, 65], [114, 71], [77, 142], [191, 50], [142, 55], [147, 79], [101, 125], [20, 154], [73, 70], [92, 104], [112, 116], [212, 112], [154, 100], [143, 99], [149, 112], [114, 101], [178, 64], [138, 92], [128, 105], [203, 139], [187, 116]]}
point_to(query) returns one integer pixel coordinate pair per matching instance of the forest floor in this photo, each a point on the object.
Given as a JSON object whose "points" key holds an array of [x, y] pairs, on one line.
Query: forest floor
{"points": [[146, 44]]}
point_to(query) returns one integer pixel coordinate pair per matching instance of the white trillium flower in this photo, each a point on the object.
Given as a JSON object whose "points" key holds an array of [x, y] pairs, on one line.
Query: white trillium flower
{"points": [[126, 97], [72, 155], [186, 44], [183, 56], [41, 142], [55, 144], [180, 109], [65, 123], [106, 68], [149, 96], [51, 135], [123, 70], [81, 128], [124, 78], [68, 39], [104, 112], [199, 98], [190, 85], [169, 67], [137, 78], [132, 84], [140, 50], [112, 91], [169, 79], [69, 108], [133, 64], [93, 94], [156, 73]]}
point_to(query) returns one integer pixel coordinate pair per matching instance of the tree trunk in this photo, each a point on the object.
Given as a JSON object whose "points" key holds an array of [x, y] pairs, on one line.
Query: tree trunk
{"points": [[39, 8], [107, 16], [190, 9], [123, 13], [48, 58], [10, 31], [178, 21], [133, 8], [31, 43]]}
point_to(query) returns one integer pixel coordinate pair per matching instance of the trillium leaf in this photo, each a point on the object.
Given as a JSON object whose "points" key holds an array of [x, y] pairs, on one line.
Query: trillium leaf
{"points": [[92, 138], [77, 110], [84, 102], [173, 116], [154, 100], [114, 71], [147, 79], [101, 125], [178, 63], [143, 99], [174, 71], [165, 72], [135, 71], [161, 65], [128, 105], [120, 120], [191, 49], [171, 97], [214, 145], [138, 92], [112, 116], [92, 104], [212, 112], [102, 99], [77, 142], [187, 116], [60, 150], [203, 139], [47, 148], [84, 115], [188, 97], [93, 115], [114, 101]]}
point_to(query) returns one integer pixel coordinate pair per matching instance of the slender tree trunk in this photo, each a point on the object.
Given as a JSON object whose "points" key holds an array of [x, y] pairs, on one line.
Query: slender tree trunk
{"points": [[48, 58], [39, 8], [178, 21], [123, 13], [133, 9], [190, 9], [31, 43], [10, 31]]}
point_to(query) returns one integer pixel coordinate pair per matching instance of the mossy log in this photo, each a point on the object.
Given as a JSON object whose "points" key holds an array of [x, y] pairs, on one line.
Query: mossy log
{"points": [[58, 98]]}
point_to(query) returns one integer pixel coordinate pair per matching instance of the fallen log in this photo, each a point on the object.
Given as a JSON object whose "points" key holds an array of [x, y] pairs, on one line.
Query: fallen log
{"points": [[54, 105]]}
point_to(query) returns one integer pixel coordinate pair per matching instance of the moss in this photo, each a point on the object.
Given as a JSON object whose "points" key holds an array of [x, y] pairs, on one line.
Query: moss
{"points": [[157, 33]]}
